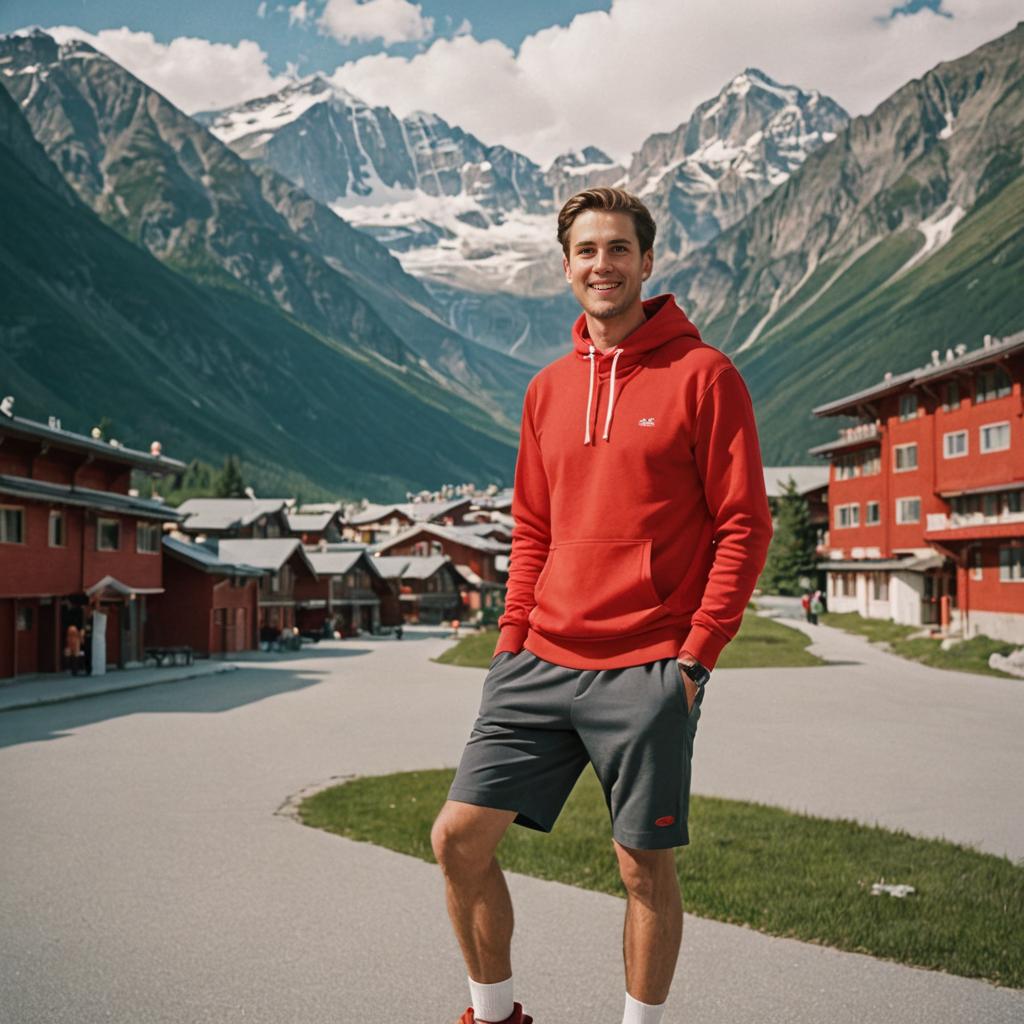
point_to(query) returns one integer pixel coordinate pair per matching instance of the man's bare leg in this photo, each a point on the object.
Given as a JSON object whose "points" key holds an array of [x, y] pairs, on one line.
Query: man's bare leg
{"points": [[464, 838], [654, 921]]}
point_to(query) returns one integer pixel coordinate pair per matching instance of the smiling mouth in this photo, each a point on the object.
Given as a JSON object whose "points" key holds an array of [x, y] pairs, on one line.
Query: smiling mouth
{"points": [[604, 287]]}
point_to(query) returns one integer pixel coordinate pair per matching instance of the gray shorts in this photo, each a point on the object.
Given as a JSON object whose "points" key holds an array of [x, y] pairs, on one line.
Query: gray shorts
{"points": [[539, 724]]}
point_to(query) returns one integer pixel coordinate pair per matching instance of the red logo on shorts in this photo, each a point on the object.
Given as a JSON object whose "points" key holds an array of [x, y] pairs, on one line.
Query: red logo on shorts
{"points": [[667, 820]]}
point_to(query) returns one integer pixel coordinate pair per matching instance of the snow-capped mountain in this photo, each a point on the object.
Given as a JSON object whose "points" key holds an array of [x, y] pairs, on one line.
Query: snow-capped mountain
{"points": [[464, 215], [736, 148]]}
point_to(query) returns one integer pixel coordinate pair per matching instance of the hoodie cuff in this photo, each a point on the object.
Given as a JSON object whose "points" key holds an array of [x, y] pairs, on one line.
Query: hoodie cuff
{"points": [[704, 645], [511, 638]]}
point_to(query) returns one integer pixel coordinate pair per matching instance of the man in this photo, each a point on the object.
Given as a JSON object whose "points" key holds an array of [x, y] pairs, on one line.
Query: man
{"points": [[641, 527]]}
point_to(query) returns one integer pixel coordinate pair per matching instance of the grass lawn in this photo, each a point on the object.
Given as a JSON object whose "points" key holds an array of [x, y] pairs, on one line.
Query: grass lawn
{"points": [[760, 643], [967, 656], [781, 873]]}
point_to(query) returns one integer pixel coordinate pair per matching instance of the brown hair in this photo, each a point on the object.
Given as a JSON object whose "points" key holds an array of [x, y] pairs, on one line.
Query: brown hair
{"points": [[607, 199]]}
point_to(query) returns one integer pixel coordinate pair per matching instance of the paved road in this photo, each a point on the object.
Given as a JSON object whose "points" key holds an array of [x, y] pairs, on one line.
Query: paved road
{"points": [[151, 874]]}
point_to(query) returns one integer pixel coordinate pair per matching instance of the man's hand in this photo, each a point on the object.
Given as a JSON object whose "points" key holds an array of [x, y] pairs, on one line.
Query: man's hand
{"points": [[689, 686]]}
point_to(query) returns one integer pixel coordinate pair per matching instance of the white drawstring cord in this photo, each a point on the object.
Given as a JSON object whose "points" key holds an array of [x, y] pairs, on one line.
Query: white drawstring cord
{"points": [[611, 395], [590, 395]]}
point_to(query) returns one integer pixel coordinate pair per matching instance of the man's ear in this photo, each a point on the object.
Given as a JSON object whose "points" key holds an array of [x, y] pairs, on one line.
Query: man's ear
{"points": [[565, 268], [648, 263]]}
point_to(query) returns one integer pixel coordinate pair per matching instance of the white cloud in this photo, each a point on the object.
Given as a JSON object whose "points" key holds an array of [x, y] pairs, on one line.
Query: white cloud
{"points": [[393, 21], [299, 14], [194, 74], [611, 78]]}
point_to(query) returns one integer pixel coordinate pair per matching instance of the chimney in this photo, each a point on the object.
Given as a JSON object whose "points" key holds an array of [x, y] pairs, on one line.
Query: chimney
{"points": [[935, 357], [960, 349]]}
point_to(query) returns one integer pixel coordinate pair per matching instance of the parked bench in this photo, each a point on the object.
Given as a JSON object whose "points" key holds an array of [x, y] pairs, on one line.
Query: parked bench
{"points": [[164, 656]]}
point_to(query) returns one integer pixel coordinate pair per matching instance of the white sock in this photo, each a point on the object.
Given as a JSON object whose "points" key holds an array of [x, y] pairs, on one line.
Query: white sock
{"points": [[641, 1013], [491, 1002]]}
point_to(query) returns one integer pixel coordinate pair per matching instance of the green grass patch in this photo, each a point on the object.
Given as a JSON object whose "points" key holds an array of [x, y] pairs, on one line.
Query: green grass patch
{"points": [[760, 643], [967, 656], [782, 873]]}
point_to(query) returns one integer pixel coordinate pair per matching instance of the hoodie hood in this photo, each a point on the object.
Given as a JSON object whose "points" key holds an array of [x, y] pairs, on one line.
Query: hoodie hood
{"points": [[665, 321]]}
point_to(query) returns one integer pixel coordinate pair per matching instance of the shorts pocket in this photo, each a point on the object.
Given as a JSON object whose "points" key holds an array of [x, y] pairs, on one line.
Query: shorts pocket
{"points": [[597, 588]]}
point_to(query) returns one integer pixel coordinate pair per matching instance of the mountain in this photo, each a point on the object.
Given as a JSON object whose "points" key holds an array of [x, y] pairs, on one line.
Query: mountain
{"points": [[902, 235], [91, 325], [163, 182], [476, 223], [736, 148]]}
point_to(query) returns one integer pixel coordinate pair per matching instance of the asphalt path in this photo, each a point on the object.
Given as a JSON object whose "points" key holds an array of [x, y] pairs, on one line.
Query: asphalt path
{"points": [[153, 871]]}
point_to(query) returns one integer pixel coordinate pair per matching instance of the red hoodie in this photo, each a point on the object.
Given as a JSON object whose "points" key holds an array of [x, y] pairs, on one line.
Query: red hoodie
{"points": [[641, 518]]}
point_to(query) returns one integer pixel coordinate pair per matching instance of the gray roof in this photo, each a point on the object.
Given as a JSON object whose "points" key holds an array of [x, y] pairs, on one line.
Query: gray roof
{"points": [[333, 563], [997, 349], [201, 557], [263, 552], [59, 437], [313, 521], [225, 513], [416, 567], [808, 478], [418, 511], [86, 497], [463, 535], [915, 563]]}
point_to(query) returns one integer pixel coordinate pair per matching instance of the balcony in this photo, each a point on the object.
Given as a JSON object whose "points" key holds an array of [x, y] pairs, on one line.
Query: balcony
{"points": [[958, 520]]}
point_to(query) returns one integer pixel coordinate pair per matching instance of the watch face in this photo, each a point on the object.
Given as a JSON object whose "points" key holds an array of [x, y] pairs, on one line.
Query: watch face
{"points": [[698, 673]]}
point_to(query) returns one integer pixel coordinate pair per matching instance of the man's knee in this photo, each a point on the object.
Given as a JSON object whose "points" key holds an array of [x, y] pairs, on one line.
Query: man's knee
{"points": [[464, 837], [646, 873]]}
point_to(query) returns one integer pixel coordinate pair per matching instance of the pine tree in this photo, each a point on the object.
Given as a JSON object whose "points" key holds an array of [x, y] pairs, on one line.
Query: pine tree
{"points": [[791, 554], [229, 481]]}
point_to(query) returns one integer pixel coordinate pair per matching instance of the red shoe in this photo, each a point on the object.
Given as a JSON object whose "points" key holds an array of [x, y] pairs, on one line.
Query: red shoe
{"points": [[518, 1017]]}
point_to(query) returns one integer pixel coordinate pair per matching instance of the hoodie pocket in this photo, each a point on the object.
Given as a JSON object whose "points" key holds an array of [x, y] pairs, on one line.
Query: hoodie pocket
{"points": [[597, 588]]}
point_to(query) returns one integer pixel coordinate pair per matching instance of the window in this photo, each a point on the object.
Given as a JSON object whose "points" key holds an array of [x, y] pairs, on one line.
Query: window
{"points": [[872, 461], [108, 535], [908, 510], [1011, 501], [976, 569], [847, 515], [1011, 564], [990, 504], [874, 515], [12, 525], [880, 586], [275, 581], [147, 538], [24, 623], [954, 444], [990, 384], [906, 457], [57, 529], [908, 406], [952, 396], [995, 437], [845, 467]]}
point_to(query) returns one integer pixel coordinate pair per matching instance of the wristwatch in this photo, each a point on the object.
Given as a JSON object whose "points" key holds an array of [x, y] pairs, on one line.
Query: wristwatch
{"points": [[696, 671]]}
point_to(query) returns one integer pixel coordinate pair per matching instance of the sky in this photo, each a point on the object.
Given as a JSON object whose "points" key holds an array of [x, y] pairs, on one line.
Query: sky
{"points": [[540, 76]]}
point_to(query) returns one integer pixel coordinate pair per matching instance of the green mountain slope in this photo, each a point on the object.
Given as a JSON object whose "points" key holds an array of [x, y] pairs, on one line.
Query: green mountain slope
{"points": [[869, 322], [91, 325]]}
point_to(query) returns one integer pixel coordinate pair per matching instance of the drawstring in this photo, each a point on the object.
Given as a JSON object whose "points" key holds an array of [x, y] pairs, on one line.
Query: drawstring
{"points": [[611, 395], [590, 394]]}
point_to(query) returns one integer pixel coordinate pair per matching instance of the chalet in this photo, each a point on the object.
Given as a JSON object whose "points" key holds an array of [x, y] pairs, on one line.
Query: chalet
{"points": [[208, 603], [314, 526], [925, 494], [284, 562], [481, 560], [246, 518], [811, 485], [77, 546], [349, 592], [431, 589], [375, 523]]}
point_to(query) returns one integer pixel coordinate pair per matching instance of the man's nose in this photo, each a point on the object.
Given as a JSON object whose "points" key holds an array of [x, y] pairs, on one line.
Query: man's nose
{"points": [[602, 261]]}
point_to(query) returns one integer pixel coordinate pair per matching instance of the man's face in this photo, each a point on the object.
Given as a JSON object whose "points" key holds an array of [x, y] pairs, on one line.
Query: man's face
{"points": [[605, 266]]}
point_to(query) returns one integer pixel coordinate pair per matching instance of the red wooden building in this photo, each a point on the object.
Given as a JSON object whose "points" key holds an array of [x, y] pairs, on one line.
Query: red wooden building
{"points": [[75, 546], [925, 495], [349, 591], [210, 604], [284, 563]]}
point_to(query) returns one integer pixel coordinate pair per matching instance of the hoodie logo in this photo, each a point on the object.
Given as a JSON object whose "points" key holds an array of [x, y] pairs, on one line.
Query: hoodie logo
{"points": [[647, 421]]}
